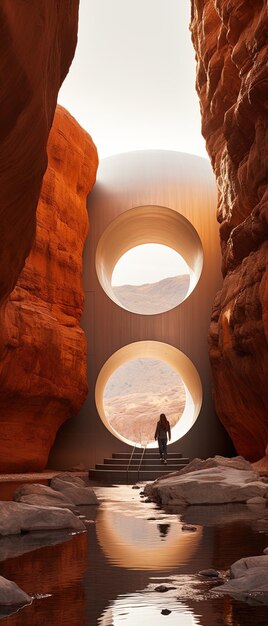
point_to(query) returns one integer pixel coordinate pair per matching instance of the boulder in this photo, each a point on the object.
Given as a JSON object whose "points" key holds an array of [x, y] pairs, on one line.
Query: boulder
{"points": [[241, 567], [237, 462], [74, 489], [209, 573], [11, 594], [254, 583], [16, 517], [219, 484], [46, 501], [70, 479], [41, 495], [257, 501]]}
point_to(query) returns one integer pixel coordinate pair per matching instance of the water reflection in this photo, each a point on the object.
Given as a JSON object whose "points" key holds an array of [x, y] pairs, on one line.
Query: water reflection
{"points": [[133, 548], [135, 543], [12, 546], [163, 530], [145, 608], [53, 575]]}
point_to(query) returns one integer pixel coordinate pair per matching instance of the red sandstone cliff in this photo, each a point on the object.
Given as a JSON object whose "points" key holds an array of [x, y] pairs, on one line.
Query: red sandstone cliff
{"points": [[37, 43], [230, 39], [42, 348]]}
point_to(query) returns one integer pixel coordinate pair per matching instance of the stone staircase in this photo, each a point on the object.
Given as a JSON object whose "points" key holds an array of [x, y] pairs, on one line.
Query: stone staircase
{"points": [[140, 465]]}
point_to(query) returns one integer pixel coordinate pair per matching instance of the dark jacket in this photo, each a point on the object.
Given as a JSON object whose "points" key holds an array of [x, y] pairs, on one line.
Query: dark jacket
{"points": [[161, 432]]}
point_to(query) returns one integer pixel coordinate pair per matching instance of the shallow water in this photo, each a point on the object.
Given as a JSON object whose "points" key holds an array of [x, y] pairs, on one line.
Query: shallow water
{"points": [[107, 576]]}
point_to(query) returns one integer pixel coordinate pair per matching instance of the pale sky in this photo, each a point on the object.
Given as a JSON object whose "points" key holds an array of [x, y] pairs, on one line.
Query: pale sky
{"points": [[132, 82], [148, 263]]}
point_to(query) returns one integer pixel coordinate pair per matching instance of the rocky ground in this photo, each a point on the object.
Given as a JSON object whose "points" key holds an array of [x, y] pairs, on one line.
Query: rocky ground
{"points": [[220, 481], [216, 480], [37, 507]]}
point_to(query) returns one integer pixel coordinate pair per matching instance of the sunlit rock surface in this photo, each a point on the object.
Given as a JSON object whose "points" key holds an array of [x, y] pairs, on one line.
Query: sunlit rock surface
{"points": [[42, 347], [215, 481], [230, 39], [37, 45]]}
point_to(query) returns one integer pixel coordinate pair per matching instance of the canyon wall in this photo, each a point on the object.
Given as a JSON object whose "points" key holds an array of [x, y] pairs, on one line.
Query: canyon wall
{"points": [[42, 347], [37, 44], [230, 40]]}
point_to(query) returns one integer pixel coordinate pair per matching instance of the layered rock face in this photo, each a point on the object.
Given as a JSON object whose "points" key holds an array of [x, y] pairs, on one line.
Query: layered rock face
{"points": [[37, 45], [230, 39], [42, 348]]}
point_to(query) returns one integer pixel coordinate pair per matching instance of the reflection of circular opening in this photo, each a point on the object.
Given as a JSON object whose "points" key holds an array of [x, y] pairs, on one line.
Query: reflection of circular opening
{"points": [[149, 225], [150, 279], [168, 355], [134, 543], [135, 395], [146, 607]]}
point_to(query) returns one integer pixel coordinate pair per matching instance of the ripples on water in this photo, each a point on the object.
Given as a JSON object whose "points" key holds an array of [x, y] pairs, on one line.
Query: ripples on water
{"points": [[108, 575]]}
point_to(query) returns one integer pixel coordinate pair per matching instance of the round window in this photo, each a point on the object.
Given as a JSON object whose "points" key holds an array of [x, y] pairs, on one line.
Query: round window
{"points": [[149, 259], [142, 380]]}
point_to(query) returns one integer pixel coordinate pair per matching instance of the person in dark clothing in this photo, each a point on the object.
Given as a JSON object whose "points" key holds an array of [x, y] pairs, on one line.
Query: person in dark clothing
{"points": [[162, 433]]}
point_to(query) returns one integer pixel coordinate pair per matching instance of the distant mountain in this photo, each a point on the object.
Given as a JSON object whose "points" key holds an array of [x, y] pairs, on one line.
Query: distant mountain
{"points": [[138, 392], [135, 416], [152, 298]]}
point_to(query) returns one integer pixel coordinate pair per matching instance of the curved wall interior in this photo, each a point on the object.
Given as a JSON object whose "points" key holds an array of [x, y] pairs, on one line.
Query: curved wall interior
{"points": [[147, 224], [155, 183], [172, 357]]}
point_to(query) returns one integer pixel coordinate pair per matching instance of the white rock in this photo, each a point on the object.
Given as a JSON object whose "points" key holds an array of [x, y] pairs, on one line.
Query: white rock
{"points": [[253, 582], [16, 517], [257, 501], [265, 551], [76, 493], [228, 480], [29, 488], [11, 594], [47, 501], [69, 478], [41, 495], [249, 578], [241, 567]]}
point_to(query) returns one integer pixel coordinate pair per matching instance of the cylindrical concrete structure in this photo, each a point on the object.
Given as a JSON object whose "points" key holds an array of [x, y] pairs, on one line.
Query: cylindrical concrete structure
{"points": [[184, 184]]}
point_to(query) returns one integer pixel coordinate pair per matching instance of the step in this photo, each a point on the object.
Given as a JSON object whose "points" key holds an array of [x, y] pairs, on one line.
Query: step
{"points": [[135, 466], [148, 453], [121, 476], [146, 461]]}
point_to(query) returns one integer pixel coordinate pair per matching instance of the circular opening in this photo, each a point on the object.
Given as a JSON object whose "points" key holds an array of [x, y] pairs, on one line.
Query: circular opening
{"points": [[149, 259], [150, 279], [142, 380]]}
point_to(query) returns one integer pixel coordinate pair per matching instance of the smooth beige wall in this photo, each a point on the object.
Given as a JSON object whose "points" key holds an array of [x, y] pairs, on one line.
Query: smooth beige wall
{"points": [[184, 183]]}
